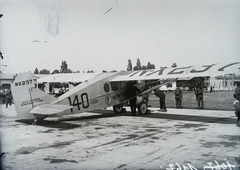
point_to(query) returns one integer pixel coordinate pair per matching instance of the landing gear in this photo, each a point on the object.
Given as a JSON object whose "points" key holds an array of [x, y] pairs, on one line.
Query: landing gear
{"points": [[142, 108], [119, 108]]}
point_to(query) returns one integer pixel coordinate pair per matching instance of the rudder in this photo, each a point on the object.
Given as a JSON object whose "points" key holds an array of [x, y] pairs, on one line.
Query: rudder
{"points": [[26, 96]]}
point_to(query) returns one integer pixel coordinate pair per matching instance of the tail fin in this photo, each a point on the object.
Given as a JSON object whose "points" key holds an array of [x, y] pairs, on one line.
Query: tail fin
{"points": [[26, 96]]}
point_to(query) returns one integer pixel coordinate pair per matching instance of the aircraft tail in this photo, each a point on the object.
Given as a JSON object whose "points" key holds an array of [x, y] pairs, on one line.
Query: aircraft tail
{"points": [[26, 96]]}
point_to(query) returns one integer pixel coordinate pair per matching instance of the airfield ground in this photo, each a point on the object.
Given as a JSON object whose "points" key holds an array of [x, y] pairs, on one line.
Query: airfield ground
{"points": [[103, 140]]}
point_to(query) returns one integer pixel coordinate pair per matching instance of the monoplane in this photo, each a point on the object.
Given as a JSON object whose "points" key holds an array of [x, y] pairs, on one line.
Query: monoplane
{"points": [[99, 91]]}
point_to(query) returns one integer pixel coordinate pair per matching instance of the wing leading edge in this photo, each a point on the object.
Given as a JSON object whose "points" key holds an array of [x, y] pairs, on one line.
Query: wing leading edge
{"points": [[210, 70]]}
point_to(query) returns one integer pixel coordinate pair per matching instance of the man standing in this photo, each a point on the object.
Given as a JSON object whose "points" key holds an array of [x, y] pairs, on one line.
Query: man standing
{"points": [[159, 93], [236, 105], [237, 91], [199, 96], [132, 92], [8, 98], [178, 97]]}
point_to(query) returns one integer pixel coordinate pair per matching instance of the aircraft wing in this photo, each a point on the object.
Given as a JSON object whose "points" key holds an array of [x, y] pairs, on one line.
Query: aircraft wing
{"points": [[67, 77], [209, 70], [49, 109]]}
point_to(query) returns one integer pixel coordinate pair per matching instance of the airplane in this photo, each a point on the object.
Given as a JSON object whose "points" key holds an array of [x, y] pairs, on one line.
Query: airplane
{"points": [[100, 91]]}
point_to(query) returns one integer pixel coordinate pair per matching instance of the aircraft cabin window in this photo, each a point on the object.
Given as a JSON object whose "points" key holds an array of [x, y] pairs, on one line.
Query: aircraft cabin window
{"points": [[122, 84], [114, 86]]}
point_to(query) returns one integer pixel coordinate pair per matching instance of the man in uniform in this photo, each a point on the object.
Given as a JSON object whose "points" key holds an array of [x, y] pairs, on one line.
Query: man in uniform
{"points": [[199, 96], [178, 97]]}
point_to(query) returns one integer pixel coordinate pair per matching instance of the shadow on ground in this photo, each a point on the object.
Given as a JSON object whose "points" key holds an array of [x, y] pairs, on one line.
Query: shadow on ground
{"points": [[64, 122]]}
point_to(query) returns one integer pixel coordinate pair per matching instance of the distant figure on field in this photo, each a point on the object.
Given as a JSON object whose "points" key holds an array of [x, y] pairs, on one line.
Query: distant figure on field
{"points": [[132, 92], [199, 97], [178, 97], [237, 92], [211, 89], [236, 105], [159, 93], [8, 98]]}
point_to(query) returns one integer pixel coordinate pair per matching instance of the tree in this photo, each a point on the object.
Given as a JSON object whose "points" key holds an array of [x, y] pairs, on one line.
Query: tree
{"points": [[138, 65], [174, 65], [55, 72], [36, 71], [129, 67], [44, 71], [150, 66], [64, 68]]}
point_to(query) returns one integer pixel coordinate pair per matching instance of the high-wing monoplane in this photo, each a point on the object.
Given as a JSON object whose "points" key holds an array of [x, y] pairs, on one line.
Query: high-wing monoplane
{"points": [[98, 91]]}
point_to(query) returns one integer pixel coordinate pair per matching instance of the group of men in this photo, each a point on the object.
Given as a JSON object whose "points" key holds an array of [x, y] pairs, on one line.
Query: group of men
{"points": [[178, 97], [133, 91]]}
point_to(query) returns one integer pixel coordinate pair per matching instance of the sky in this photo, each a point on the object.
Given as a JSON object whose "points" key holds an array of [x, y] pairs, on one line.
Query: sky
{"points": [[103, 34]]}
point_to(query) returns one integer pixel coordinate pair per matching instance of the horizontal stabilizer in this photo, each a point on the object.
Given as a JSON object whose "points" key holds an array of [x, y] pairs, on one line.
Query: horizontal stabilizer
{"points": [[49, 109]]}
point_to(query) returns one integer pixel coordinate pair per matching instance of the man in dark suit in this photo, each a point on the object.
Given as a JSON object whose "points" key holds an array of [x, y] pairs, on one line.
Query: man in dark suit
{"points": [[132, 92]]}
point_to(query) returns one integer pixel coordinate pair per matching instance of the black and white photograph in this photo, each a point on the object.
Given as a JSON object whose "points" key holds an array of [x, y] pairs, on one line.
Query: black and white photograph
{"points": [[120, 84]]}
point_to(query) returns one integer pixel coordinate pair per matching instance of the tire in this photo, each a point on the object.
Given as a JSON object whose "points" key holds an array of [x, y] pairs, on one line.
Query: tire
{"points": [[118, 108], [142, 108]]}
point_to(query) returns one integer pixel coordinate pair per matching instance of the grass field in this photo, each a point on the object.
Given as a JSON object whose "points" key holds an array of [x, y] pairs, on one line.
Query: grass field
{"points": [[219, 100]]}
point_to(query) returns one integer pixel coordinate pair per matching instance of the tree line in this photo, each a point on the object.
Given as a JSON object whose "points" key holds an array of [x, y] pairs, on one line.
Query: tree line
{"points": [[139, 66], [64, 68]]}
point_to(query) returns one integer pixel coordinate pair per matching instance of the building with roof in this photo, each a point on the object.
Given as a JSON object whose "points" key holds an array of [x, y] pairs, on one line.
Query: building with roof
{"points": [[6, 80]]}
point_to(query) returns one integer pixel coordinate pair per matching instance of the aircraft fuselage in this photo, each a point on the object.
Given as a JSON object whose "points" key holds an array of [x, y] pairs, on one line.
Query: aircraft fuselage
{"points": [[96, 93]]}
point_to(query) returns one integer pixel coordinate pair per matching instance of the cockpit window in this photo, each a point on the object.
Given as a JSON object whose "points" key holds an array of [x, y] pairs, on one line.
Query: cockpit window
{"points": [[114, 86], [118, 85]]}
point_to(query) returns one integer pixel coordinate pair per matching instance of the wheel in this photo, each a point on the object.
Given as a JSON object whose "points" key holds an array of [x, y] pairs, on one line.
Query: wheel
{"points": [[142, 108], [118, 108]]}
